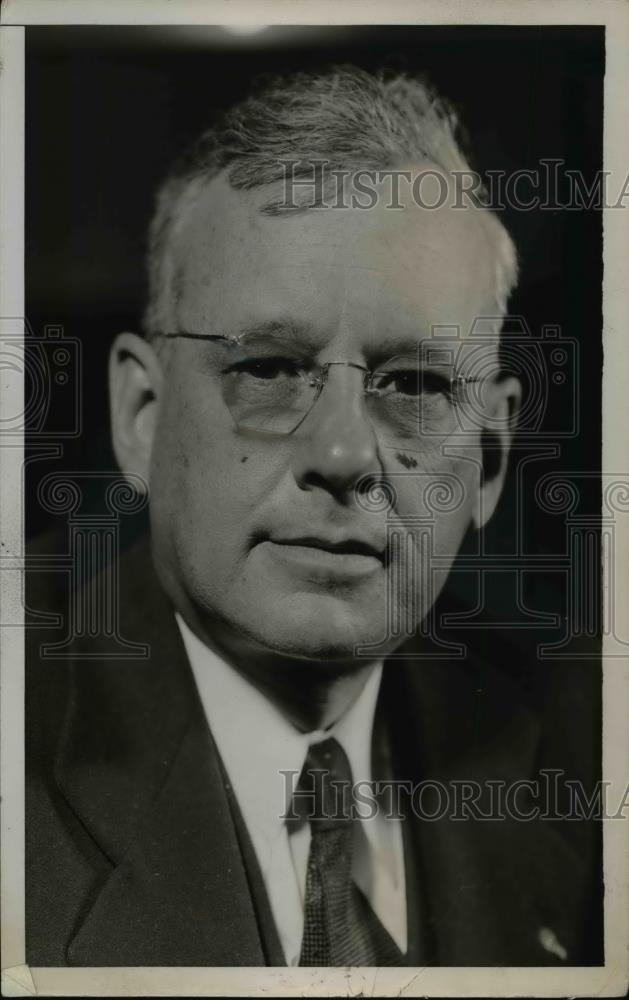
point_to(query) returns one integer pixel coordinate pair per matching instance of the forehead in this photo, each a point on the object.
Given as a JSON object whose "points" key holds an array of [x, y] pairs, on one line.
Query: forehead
{"points": [[360, 275]]}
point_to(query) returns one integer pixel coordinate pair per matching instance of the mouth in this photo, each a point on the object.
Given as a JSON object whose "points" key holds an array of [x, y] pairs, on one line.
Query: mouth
{"points": [[341, 558], [343, 546]]}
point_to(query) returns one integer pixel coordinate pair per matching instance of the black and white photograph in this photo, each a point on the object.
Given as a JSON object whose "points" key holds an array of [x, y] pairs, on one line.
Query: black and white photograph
{"points": [[315, 499]]}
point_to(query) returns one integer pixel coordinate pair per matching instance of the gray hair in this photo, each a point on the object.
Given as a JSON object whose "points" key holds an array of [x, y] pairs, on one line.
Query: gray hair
{"points": [[346, 117]]}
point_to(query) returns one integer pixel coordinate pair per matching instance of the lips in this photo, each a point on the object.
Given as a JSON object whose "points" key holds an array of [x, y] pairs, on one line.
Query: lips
{"points": [[317, 559], [339, 546]]}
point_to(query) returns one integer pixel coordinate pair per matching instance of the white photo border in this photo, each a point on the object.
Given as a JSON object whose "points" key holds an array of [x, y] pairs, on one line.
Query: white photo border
{"points": [[17, 978]]}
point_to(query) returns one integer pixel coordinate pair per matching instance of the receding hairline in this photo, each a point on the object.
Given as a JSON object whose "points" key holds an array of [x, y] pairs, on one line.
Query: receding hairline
{"points": [[352, 119], [265, 195]]}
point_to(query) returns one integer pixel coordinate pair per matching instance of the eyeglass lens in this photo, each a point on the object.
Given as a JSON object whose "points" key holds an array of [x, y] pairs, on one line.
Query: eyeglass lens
{"points": [[272, 392]]}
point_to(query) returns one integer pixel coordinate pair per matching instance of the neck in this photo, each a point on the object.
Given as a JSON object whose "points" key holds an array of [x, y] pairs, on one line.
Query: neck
{"points": [[312, 694]]}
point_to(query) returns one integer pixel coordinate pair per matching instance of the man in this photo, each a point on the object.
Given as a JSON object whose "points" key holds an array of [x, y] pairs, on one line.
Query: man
{"points": [[298, 402]]}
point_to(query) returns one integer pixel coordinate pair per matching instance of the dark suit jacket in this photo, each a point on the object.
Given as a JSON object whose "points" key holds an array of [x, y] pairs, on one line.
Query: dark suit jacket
{"points": [[135, 853]]}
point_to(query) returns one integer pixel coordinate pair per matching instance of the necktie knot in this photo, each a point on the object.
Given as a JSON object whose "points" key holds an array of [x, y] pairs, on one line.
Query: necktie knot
{"points": [[323, 796]]}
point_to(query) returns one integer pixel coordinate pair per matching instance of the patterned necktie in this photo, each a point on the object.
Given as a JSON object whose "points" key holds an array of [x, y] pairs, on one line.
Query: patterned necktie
{"points": [[340, 928]]}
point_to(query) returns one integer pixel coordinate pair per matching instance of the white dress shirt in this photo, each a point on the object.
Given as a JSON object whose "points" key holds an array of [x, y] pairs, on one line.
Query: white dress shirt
{"points": [[257, 743]]}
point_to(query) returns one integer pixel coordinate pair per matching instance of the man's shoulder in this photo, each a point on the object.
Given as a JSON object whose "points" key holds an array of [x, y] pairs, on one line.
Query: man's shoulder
{"points": [[100, 638], [490, 691]]}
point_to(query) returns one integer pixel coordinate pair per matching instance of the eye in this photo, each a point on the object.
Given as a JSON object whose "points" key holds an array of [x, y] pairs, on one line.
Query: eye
{"points": [[266, 369], [411, 382]]}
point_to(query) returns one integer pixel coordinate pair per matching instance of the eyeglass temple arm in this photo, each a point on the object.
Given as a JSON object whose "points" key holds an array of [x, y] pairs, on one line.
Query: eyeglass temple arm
{"points": [[197, 336], [320, 378]]}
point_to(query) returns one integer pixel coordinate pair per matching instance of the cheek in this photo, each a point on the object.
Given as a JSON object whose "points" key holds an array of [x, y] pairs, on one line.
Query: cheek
{"points": [[433, 512], [177, 441], [433, 481], [181, 463], [207, 481], [435, 498]]}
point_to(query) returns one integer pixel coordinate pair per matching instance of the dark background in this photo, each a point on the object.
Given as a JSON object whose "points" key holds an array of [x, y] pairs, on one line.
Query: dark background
{"points": [[107, 109]]}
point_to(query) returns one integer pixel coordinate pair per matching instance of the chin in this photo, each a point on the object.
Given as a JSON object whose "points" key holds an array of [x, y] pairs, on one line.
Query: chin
{"points": [[323, 629]]}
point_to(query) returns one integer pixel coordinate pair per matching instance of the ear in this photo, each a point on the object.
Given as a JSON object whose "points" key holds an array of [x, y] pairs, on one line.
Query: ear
{"points": [[502, 404], [135, 383]]}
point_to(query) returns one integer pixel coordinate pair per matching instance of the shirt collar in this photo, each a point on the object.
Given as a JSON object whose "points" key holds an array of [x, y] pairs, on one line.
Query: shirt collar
{"points": [[262, 751]]}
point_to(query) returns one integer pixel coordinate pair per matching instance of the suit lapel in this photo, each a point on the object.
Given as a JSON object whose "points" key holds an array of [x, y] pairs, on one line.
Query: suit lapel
{"points": [[495, 892], [139, 768]]}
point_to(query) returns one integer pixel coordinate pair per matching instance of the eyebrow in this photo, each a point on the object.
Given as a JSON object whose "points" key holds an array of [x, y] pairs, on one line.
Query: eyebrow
{"points": [[295, 332], [301, 334]]}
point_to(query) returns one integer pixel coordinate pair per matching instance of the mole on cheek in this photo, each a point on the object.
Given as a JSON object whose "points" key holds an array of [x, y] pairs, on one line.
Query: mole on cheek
{"points": [[407, 460]]}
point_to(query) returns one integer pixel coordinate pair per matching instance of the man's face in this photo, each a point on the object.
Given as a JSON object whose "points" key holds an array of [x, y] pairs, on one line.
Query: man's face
{"points": [[269, 536]]}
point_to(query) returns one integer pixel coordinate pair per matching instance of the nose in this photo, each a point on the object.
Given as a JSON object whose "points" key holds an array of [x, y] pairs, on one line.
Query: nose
{"points": [[336, 444]]}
